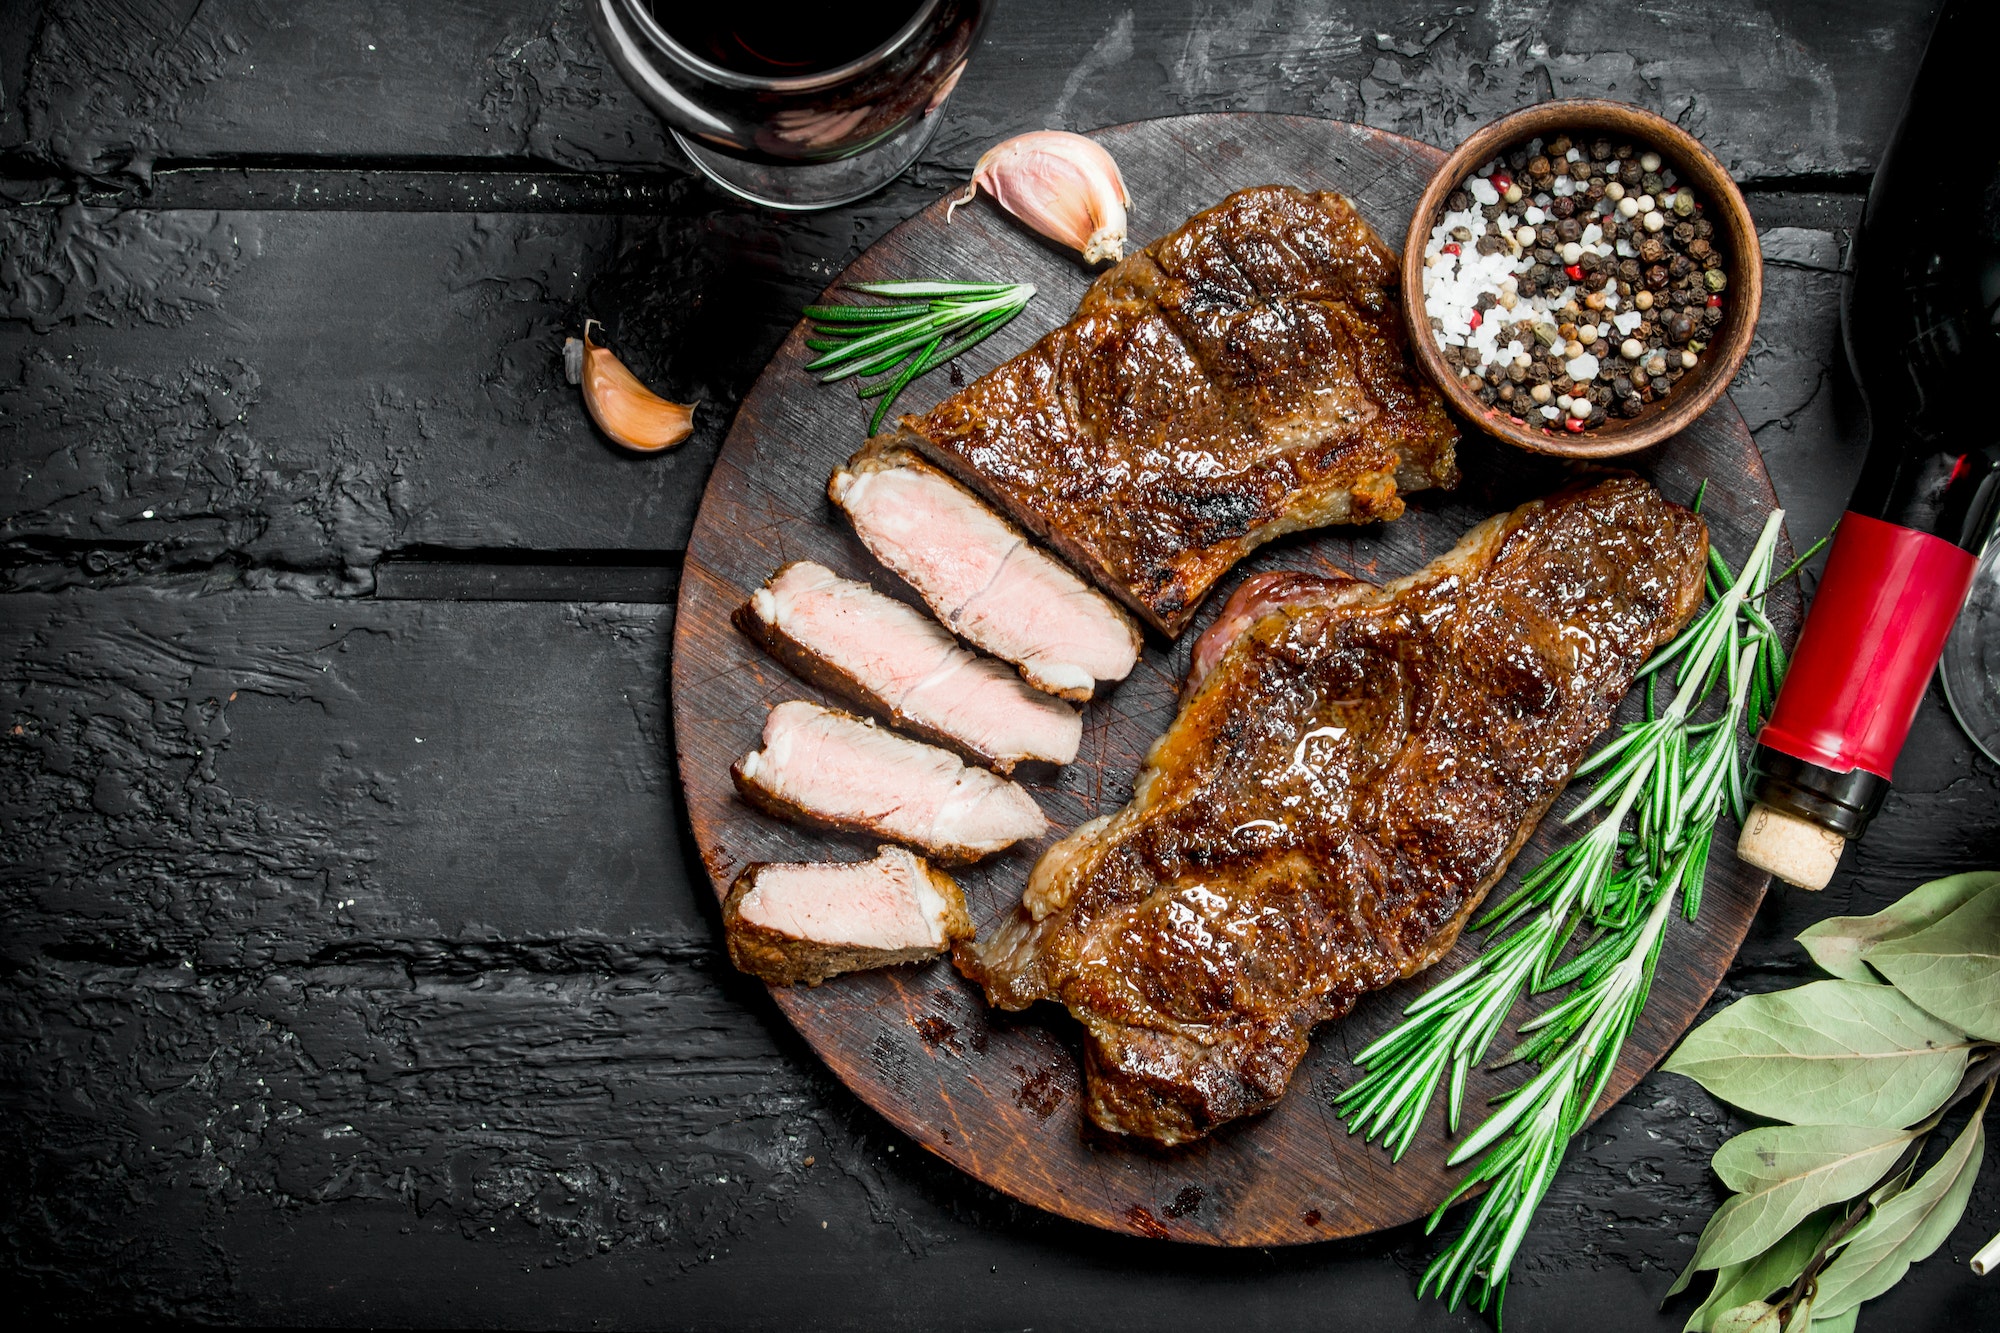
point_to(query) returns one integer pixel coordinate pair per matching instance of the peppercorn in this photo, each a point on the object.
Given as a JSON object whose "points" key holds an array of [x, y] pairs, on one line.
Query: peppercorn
{"points": [[1458, 201], [1656, 276], [1517, 157], [1712, 316], [1684, 232], [1630, 173], [1715, 279], [1622, 151], [1559, 146], [1601, 350], [1651, 251], [1704, 228], [1579, 170], [1680, 266], [1540, 168], [1461, 234], [1684, 202], [1698, 247], [1564, 207], [1506, 393], [1569, 229], [1546, 233], [1631, 405], [1628, 270]]}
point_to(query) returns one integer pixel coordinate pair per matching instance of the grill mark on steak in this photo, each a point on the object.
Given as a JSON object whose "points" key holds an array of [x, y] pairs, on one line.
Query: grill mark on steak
{"points": [[1353, 769], [1240, 378]]}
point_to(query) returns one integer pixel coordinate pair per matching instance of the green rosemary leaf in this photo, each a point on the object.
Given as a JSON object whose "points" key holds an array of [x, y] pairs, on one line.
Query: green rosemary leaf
{"points": [[863, 314], [889, 395], [905, 337], [921, 287]]}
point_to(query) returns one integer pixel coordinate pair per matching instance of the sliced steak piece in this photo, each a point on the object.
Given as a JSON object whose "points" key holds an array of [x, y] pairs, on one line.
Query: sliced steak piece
{"points": [[828, 769], [986, 582], [1353, 770], [1243, 377], [807, 922], [897, 663]]}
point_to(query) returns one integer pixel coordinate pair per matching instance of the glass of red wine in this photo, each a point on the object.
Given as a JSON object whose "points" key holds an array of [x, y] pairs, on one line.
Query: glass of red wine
{"points": [[794, 104]]}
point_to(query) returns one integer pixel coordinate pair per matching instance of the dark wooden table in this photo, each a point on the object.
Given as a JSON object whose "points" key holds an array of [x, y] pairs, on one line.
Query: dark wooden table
{"points": [[354, 965]]}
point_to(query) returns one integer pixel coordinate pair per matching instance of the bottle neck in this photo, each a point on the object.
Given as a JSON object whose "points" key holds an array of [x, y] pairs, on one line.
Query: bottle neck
{"points": [[1928, 481]]}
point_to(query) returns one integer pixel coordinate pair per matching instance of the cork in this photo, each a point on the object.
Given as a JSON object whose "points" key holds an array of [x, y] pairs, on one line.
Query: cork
{"points": [[1796, 850]]}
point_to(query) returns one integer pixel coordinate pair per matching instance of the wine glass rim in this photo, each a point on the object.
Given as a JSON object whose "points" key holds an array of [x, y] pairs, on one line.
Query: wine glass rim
{"points": [[641, 15]]}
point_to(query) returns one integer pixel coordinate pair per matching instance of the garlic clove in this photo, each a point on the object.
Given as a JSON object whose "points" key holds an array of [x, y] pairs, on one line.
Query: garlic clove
{"points": [[622, 407], [1063, 185]]}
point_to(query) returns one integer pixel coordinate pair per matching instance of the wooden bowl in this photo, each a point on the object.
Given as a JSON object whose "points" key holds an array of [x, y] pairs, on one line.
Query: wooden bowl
{"points": [[1723, 206]]}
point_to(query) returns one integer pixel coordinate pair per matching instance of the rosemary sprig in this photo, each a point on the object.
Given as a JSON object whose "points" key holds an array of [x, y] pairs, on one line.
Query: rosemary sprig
{"points": [[922, 326], [1671, 776]]}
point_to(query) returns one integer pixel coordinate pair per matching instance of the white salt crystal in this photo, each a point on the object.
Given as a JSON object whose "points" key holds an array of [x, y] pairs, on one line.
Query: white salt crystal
{"points": [[1482, 190], [1593, 234], [1581, 368], [1534, 217], [1628, 320], [1564, 187], [1552, 412]]}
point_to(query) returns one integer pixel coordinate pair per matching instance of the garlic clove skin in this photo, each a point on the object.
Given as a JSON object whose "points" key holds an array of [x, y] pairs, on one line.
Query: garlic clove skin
{"points": [[1063, 185], [624, 408]]}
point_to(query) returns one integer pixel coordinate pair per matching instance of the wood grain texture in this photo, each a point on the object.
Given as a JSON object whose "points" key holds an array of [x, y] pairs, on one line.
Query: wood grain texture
{"points": [[997, 1095]]}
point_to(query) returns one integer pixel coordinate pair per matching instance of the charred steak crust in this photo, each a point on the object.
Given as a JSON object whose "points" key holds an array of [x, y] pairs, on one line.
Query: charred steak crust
{"points": [[1243, 377], [1355, 770]]}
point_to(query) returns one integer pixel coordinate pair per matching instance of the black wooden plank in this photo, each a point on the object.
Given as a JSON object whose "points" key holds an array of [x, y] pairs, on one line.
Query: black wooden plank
{"points": [[1778, 88], [254, 777], [312, 391]]}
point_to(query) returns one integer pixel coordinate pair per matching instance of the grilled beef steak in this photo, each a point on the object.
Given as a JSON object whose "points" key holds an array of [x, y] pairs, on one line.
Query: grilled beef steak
{"points": [[1351, 773], [905, 668], [1242, 377], [984, 580], [793, 923], [828, 769]]}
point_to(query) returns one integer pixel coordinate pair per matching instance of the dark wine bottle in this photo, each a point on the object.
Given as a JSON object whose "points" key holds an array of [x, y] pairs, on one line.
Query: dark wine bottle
{"points": [[1921, 321]]}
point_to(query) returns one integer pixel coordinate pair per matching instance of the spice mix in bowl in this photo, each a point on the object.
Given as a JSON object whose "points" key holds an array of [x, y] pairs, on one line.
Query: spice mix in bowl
{"points": [[1582, 278]]}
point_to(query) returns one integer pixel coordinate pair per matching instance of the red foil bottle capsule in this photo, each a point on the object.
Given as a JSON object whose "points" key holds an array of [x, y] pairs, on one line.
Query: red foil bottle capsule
{"points": [[1921, 320]]}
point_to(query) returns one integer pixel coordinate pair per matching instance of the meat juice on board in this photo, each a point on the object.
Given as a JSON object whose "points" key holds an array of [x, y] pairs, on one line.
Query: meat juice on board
{"points": [[1921, 321]]}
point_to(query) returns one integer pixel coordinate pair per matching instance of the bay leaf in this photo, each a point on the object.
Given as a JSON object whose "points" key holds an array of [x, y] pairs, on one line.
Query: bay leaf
{"points": [[1762, 1277], [1952, 967], [1753, 1317], [1906, 1228], [1836, 943], [1783, 1173], [1832, 1052], [1840, 1323]]}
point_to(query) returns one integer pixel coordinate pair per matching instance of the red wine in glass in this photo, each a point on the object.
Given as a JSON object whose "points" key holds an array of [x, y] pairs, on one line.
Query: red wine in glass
{"points": [[789, 104]]}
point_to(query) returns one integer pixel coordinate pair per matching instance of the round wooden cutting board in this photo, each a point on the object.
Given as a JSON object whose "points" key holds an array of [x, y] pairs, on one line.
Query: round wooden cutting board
{"points": [[997, 1094]]}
